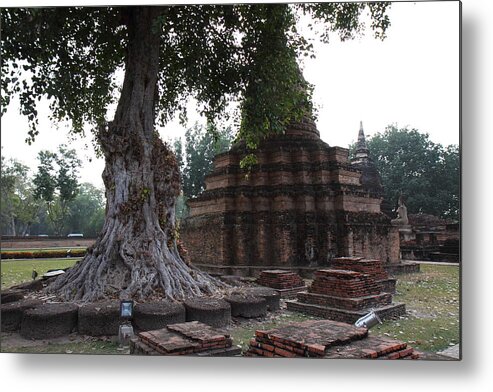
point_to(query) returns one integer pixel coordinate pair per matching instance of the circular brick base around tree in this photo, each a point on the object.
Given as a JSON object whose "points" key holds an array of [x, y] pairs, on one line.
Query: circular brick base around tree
{"points": [[99, 319], [49, 320], [210, 311], [12, 313], [247, 306], [12, 295], [272, 297], [157, 315], [33, 285]]}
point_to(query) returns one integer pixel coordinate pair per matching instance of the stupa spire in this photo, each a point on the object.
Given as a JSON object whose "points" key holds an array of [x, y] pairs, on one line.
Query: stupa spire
{"points": [[362, 152]]}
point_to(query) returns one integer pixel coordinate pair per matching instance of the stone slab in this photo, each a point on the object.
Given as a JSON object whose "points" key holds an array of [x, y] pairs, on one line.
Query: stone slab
{"points": [[346, 316], [290, 293], [168, 343], [371, 347], [181, 339], [309, 338], [358, 303], [326, 339], [200, 332]]}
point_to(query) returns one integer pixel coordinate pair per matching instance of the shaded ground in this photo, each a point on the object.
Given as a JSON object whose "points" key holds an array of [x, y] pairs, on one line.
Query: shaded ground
{"points": [[72, 344], [431, 323]]}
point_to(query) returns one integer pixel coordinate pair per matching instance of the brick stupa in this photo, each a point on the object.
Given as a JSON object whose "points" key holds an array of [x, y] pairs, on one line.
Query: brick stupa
{"points": [[300, 206]]}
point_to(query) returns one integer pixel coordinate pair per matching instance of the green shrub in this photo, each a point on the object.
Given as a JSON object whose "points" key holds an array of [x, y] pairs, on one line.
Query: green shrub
{"points": [[42, 254]]}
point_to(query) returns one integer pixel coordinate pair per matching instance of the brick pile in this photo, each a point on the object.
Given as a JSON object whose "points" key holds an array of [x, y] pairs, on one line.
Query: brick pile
{"points": [[190, 338], [344, 284], [325, 339], [280, 279], [355, 304], [372, 267]]}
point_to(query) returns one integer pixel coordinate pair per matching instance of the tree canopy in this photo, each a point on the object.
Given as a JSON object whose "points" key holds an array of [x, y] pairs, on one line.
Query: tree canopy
{"points": [[215, 53]]}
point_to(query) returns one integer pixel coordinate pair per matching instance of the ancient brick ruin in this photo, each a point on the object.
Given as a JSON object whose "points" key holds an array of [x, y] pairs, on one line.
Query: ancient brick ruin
{"points": [[326, 339], [285, 283], [303, 204], [348, 290], [191, 338]]}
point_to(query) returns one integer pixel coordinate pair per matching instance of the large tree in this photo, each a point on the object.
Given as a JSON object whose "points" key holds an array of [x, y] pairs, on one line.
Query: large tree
{"points": [[214, 52]]}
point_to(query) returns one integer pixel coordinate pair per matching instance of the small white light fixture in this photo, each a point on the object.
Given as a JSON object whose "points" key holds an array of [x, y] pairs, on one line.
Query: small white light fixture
{"points": [[126, 309], [368, 320]]}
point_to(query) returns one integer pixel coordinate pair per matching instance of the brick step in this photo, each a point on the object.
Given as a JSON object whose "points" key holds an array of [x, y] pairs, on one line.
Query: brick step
{"points": [[370, 267], [359, 303]]}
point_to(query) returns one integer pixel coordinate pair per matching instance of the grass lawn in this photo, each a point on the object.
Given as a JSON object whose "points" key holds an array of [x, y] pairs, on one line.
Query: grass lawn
{"points": [[19, 271], [432, 304]]}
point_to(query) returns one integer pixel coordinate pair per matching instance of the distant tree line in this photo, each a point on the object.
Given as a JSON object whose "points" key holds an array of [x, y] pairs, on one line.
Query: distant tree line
{"points": [[426, 173], [51, 201], [195, 154]]}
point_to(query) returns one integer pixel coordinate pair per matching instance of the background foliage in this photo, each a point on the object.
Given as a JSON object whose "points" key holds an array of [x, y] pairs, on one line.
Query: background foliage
{"points": [[426, 173], [195, 154]]}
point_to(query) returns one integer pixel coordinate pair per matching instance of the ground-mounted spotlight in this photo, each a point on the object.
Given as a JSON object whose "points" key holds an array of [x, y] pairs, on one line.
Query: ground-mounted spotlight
{"points": [[126, 330], [126, 309], [368, 320]]}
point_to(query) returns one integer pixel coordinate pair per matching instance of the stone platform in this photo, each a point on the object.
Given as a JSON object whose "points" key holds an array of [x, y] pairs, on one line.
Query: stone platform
{"points": [[326, 339], [346, 295], [290, 293], [190, 338], [346, 316]]}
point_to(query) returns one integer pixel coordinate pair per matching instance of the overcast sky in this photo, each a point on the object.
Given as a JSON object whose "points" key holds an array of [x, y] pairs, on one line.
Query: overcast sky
{"points": [[411, 79]]}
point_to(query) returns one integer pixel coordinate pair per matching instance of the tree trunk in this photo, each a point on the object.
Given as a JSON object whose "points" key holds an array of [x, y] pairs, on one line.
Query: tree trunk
{"points": [[136, 255], [12, 225]]}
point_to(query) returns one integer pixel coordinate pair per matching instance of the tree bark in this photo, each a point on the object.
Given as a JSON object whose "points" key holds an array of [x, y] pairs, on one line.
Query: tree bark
{"points": [[136, 256]]}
